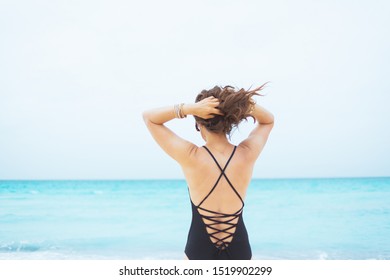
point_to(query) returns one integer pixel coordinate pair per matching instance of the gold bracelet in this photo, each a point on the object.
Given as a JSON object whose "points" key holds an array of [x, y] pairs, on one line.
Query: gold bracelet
{"points": [[181, 113], [176, 110]]}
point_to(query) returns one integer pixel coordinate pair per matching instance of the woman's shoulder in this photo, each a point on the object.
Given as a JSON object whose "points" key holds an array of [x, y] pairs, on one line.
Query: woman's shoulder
{"points": [[203, 156]]}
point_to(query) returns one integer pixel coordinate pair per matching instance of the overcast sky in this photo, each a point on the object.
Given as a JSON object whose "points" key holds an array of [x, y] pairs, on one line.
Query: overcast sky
{"points": [[75, 77]]}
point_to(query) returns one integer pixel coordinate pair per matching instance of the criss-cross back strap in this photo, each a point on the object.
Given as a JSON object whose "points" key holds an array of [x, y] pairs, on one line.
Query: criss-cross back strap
{"points": [[217, 218], [220, 176]]}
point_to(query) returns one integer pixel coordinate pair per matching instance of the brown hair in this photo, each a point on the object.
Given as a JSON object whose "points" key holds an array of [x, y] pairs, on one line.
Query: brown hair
{"points": [[234, 104]]}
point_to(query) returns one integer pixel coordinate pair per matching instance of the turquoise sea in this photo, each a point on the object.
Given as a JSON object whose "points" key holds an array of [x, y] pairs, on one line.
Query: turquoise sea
{"points": [[333, 218]]}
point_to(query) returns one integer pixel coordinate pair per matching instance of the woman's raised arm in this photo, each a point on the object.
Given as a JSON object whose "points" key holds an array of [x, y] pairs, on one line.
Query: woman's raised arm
{"points": [[257, 139], [176, 147]]}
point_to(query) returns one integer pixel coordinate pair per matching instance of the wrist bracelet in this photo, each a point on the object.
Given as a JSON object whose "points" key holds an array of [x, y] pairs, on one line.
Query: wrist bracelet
{"points": [[178, 111], [181, 113]]}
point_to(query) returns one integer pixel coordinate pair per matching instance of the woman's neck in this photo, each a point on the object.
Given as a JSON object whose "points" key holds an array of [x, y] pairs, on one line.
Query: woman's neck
{"points": [[218, 142]]}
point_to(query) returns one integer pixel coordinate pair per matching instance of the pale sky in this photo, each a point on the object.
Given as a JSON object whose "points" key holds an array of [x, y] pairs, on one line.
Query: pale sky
{"points": [[75, 77]]}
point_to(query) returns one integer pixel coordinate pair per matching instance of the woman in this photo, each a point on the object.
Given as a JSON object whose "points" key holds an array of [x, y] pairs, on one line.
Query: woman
{"points": [[218, 173]]}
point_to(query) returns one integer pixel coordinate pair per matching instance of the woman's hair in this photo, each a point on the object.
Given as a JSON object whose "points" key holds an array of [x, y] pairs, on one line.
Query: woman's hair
{"points": [[234, 104]]}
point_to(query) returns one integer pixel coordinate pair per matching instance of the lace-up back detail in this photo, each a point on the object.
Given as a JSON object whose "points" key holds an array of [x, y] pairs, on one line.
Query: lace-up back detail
{"points": [[220, 226]]}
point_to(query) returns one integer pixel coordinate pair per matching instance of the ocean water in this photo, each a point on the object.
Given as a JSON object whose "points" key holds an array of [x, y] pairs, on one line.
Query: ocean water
{"points": [[337, 218]]}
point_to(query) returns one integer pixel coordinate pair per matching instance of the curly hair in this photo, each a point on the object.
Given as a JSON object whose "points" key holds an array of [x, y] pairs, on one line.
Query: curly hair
{"points": [[234, 104]]}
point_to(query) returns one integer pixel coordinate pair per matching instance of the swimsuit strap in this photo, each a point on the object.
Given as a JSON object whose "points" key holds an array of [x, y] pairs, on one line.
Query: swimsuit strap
{"points": [[220, 176], [215, 217]]}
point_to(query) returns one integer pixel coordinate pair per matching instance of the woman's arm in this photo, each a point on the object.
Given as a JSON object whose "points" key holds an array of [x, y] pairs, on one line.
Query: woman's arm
{"points": [[257, 139], [176, 147]]}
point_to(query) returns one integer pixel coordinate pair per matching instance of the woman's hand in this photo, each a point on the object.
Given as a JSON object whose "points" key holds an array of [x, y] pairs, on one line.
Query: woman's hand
{"points": [[251, 106], [206, 108]]}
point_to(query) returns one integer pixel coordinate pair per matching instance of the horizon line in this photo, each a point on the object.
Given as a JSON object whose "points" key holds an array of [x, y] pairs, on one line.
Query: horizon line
{"points": [[183, 179]]}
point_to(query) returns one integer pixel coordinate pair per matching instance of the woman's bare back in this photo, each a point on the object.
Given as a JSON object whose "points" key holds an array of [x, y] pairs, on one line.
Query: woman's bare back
{"points": [[202, 175]]}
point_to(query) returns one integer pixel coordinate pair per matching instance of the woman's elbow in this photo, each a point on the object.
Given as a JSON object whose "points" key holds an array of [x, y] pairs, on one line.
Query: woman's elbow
{"points": [[145, 117], [270, 120]]}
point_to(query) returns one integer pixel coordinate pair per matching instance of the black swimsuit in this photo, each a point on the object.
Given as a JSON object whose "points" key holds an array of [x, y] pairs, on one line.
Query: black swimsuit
{"points": [[199, 243]]}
